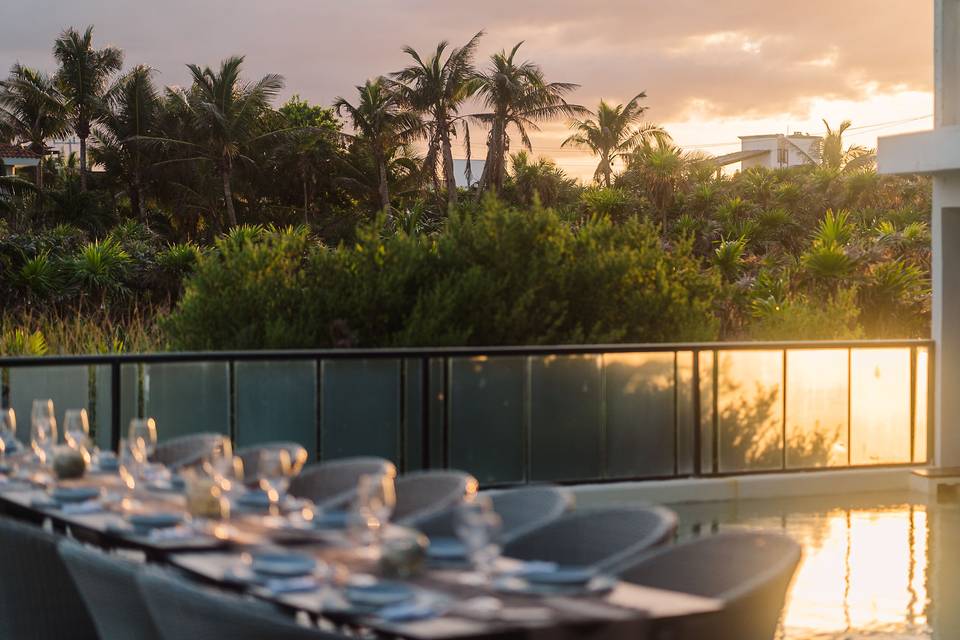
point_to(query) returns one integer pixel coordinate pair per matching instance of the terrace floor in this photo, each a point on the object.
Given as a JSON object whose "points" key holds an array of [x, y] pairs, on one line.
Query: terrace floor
{"points": [[875, 565]]}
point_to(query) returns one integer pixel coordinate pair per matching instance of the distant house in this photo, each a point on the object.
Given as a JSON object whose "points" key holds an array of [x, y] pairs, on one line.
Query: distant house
{"points": [[13, 157], [773, 151], [460, 170]]}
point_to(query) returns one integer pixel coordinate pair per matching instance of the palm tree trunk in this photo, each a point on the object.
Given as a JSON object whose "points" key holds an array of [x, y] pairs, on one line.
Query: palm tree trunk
{"points": [[40, 174], [83, 163], [306, 200], [228, 196], [384, 188], [136, 201], [448, 170]]}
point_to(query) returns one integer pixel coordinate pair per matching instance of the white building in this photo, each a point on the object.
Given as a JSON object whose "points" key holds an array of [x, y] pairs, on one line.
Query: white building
{"points": [[776, 151], [937, 153], [773, 151]]}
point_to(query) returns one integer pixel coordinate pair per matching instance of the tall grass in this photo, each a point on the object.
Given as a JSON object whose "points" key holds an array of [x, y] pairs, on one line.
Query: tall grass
{"points": [[36, 333]]}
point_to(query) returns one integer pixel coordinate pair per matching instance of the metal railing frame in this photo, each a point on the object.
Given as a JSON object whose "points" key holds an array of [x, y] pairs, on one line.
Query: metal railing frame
{"points": [[426, 356]]}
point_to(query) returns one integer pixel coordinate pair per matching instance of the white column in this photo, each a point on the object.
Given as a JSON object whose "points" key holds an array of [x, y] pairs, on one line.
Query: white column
{"points": [[946, 240]]}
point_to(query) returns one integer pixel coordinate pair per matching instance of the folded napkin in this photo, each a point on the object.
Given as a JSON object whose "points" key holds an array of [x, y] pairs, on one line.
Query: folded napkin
{"points": [[299, 584], [180, 532], [533, 566], [81, 508], [410, 611]]}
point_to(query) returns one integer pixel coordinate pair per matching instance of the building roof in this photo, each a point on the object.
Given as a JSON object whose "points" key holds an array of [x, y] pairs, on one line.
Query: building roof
{"points": [[738, 156], [780, 135], [9, 151]]}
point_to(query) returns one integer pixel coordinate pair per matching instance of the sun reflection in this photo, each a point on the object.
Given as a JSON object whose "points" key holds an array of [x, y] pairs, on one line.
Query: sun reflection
{"points": [[863, 573]]}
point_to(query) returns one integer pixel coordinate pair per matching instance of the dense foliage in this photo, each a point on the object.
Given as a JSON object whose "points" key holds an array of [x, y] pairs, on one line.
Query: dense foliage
{"points": [[300, 229]]}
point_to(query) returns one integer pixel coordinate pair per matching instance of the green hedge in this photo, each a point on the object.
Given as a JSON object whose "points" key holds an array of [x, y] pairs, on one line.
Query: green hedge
{"points": [[494, 277]]}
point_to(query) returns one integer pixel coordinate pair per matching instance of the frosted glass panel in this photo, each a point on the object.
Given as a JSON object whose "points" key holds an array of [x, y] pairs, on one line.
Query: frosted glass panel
{"points": [[880, 412], [565, 411], [751, 410], [640, 429], [922, 416], [276, 401], [360, 408], [707, 410], [487, 417], [129, 389], [685, 417], [67, 386], [186, 398], [816, 408]]}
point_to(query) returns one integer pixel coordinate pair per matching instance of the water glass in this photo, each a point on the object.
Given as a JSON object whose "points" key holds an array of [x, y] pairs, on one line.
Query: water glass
{"points": [[274, 469], [130, 464], [76, 430], [43, 430], [478, 526], [142, 437]]}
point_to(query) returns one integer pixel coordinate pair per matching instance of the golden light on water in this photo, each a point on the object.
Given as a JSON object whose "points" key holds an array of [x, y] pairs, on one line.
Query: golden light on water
{"points": [[867, 571]]}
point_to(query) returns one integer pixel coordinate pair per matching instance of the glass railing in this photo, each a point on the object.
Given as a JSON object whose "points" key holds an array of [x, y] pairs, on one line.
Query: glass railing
{"points": [[521, 414]]}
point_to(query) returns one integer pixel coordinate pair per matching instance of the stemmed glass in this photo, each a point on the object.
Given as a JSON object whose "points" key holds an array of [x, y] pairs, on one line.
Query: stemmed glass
{"points": [[142, 438], [478, 526], [225, 468], [8, 429], [274, 469], [43, 430], [382, 498], [76, 431]]}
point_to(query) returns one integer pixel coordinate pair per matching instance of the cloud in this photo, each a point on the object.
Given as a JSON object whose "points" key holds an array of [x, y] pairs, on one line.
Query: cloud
{"points": [[726, 59]]}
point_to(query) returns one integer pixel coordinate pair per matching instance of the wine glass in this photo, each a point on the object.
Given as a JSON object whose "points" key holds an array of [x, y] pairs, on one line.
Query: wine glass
{"points": [[76, 431], [478, 526], [8, 430], [274, 469], [382, 497], [225, 468], [142, 437], [43, 430]]}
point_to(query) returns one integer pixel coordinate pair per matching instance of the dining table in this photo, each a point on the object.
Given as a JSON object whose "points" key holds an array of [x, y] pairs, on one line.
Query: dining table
{"points": [[456, 601]]}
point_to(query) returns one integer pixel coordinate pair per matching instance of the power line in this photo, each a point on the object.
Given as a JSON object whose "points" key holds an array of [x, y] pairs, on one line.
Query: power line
{"points": [[858, 131]]}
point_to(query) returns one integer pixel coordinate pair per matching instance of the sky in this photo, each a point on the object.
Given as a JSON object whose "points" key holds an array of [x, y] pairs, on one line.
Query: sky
{"points": [[712, 69]]}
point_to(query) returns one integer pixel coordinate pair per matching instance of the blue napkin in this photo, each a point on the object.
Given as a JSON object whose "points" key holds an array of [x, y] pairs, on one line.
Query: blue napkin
{"points": [[409, 611]]}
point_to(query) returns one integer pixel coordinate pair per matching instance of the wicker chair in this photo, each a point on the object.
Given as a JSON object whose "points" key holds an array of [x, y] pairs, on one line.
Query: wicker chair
{"points": [[251, 456], [184, 611], [188, 450], [604, 539], [522, 511], [748, 571], [38, 598], [424, 494], [108, 586], [333, 484]]}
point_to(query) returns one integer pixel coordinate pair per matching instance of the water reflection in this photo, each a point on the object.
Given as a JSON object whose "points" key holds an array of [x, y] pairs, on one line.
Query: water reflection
{"points": [[872, 567]]}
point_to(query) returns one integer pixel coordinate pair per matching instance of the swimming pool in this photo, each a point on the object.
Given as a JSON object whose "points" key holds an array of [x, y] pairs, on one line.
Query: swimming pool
{"points": [[874, 565]]}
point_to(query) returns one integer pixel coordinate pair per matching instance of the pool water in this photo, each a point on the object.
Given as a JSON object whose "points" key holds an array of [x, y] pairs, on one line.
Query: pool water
{"points": [[874, 565]]}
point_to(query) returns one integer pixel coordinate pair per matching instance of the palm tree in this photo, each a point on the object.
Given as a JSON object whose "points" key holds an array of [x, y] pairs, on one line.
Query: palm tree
{"points": [[381, 125], [133, 105], [83, 76], [31, 111], [437, 87], [661, 170], [834, 156], [224, 117], [612, 133], [517, 95]]}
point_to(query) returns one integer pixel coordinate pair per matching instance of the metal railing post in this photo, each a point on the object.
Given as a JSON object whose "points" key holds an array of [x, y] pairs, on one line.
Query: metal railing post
{"points": [[115, 391], [425, 412]]}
